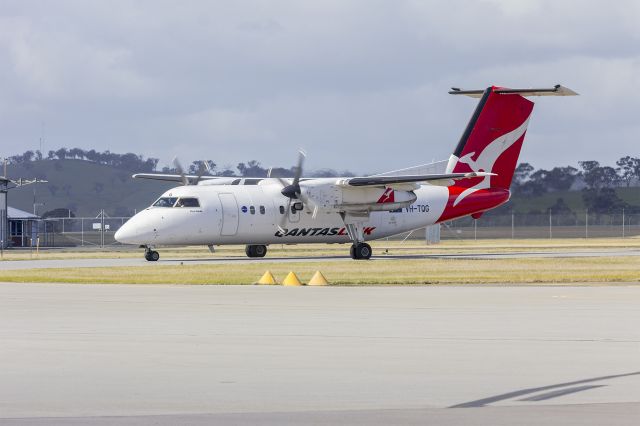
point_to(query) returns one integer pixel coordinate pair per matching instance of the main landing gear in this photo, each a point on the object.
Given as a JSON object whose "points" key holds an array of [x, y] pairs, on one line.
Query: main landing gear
{"points": [[360, 251], [255, 250], [151, 255], [354, 225]]}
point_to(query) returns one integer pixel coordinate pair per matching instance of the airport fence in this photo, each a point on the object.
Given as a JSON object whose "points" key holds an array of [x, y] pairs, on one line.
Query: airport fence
{"points": [[99, 231], [544, 225], [79, 231]]}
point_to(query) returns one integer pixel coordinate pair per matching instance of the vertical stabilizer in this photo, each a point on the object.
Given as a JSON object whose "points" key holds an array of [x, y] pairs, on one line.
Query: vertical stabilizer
{"points": [[492, 140]]}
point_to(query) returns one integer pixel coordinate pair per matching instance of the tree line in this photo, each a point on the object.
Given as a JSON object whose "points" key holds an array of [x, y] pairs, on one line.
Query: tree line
{"points": [[597, 183], [252, 168], [128, 161], [137, 163], [528, 181]]}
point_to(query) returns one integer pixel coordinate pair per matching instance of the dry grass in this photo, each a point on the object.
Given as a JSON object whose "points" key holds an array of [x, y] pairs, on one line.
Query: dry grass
{"points": [[419, 271], [393, 247]]}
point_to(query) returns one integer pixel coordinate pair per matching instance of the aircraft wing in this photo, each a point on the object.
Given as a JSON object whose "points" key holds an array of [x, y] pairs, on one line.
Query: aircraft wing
{"points": [[394, 180], [171, 178]]}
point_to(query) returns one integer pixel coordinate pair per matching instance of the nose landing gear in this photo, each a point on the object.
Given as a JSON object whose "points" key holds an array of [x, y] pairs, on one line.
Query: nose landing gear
{"points": [[151, 255], [255, 250]]}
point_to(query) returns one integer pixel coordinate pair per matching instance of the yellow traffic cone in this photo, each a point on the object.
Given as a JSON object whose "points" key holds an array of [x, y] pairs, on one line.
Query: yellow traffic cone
{"points": [[267, 278], [291, 279], [318, 279]]}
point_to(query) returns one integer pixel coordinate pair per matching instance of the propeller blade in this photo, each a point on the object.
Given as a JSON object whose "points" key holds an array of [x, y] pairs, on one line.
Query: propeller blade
{"points": [[293, 190], [298, 168], [283, 219], [283, 182], [203, 168], [180, 170], [308, 203]]}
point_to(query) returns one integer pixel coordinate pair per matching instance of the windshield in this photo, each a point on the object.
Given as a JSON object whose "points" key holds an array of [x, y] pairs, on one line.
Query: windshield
{"points": [[165, 202], [187, 202]]}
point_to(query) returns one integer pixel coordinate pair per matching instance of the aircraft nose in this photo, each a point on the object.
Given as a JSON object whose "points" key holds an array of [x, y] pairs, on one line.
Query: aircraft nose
{"points": [[126, 234]]}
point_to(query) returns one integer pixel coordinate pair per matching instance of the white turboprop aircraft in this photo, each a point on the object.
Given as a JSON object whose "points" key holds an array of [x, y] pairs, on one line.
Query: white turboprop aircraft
{"points": [[213, 211]]}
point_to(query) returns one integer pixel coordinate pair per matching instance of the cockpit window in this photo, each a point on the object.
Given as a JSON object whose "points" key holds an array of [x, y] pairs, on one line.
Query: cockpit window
{"points": [[187, 202], [165, 202], [235, 182]]}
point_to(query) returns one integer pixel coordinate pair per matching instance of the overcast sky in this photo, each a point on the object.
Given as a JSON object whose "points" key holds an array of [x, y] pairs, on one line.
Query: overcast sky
{"points": [[360, 85]]}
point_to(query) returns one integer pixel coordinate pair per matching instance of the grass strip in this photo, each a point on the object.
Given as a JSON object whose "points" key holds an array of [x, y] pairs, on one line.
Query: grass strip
{"points": [[299, 250], [418, 271]]}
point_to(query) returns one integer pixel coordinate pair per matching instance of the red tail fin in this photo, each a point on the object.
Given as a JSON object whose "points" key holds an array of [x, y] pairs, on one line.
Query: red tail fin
{"points": [[491, 143], [493, 138]]}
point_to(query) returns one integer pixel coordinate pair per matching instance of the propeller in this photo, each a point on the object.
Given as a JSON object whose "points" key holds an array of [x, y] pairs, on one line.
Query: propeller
{"points": [[293, 191], [204, 167], [180, 170]]}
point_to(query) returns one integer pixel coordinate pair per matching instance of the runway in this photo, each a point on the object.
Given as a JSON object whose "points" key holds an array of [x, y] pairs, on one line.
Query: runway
{"points": [[236, 260], [464, 355]]}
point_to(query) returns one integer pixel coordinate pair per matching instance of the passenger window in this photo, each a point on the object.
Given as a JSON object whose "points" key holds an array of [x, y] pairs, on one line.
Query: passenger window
{"points": [[165, 202], [281, 209], [252, 210], [262, 210], [187, 202]]}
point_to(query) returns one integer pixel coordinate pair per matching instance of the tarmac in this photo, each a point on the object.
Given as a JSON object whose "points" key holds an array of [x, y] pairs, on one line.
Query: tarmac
{"points": [[445, 355], [238, 260]]}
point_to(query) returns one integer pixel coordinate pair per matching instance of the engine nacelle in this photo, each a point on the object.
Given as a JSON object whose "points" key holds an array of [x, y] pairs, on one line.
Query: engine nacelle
{"points": [[337, 198]]}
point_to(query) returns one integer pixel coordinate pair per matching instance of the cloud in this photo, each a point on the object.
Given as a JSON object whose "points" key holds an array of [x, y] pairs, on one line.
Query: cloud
{"points": [[360, 84]]}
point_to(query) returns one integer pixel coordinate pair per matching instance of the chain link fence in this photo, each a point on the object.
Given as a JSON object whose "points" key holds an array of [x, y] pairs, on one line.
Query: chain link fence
{"points": [[79, 231], [99, 231], [547, 225]]}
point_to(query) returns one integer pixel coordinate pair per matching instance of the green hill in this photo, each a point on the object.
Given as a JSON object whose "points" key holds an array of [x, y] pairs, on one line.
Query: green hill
{"points": [[83, 187]]}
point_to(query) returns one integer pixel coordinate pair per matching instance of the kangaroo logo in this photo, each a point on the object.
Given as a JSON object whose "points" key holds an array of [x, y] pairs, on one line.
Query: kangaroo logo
{"points": [[387, 196], [488, 157]]}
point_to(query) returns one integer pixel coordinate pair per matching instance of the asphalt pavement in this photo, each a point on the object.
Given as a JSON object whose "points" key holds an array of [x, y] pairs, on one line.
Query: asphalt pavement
{"points": [[464, 355]]}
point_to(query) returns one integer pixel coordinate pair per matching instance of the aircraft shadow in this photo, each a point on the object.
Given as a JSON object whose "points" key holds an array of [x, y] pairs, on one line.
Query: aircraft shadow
{"points": [[569, 388]]}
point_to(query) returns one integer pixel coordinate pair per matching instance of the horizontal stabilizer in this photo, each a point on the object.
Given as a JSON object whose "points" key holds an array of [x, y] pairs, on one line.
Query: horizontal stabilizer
{"points": [[556, 90]]}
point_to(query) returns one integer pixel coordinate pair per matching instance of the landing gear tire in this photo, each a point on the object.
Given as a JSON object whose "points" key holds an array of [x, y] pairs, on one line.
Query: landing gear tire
{"points": [[256, 250], [151, 255], [360, 251]]}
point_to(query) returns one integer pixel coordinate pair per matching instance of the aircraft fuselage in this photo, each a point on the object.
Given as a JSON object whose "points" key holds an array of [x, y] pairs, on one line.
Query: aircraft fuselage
{"points": [[239, 214]]}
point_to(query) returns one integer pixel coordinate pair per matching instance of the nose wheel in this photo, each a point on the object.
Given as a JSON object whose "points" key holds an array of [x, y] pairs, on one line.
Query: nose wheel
{"points": [[256, 250], [360, 251], [151, 255]]}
